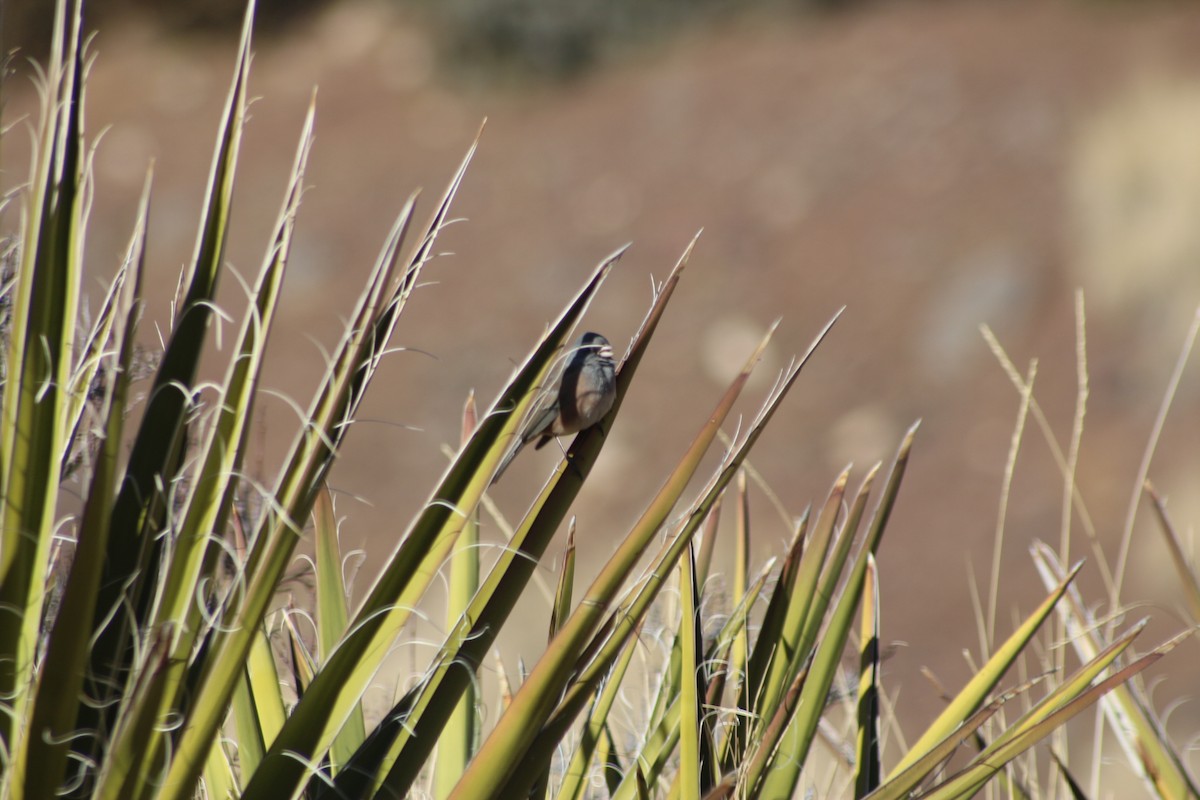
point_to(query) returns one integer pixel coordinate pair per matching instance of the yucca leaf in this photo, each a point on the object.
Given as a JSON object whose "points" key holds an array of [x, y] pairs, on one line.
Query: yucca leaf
{"points": [[61, 676], [251, 742], [132, 563], [211, 494], [535, 701], [566, 583], [333, 617], [182, 600], [558, 613], [38, 366], [741, 580], [1139, 733], [458, 739], [708, 542], [867, 769], [659, 745], [902, 784], [787, 654], [401, 744], [769, 632], [690, 693], [665, 724], [341, 680], [595, 738], [120, 777], [985, 766], [310, 459], [783, 769], [974, 693], [97, 349], [220, 783], [606, 644]]}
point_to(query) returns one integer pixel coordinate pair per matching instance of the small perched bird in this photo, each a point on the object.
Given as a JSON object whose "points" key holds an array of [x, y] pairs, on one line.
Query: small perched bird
{"points": [[584, 395]]}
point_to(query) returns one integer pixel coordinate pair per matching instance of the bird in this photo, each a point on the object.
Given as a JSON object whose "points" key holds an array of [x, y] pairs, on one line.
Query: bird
{"points": [[585, 393]]}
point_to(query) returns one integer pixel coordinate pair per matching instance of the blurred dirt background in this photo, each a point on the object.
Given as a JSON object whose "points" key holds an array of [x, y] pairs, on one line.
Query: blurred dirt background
{"points": [[932, 166]]}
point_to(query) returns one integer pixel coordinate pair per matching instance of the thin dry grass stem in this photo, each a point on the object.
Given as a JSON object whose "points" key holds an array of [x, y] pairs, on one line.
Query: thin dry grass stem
{"points": [[1144, 468], [1085, 517], [981, 627], [1064, 545], [1081, 398], [891, 723]]}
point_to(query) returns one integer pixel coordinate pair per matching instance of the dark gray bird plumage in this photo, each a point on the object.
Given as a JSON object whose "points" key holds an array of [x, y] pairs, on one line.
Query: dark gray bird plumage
{"points": [[583, 396]]}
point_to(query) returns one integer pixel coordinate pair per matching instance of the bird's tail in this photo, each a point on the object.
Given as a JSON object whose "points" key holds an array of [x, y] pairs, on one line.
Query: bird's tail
{"points": [[508, 458]]}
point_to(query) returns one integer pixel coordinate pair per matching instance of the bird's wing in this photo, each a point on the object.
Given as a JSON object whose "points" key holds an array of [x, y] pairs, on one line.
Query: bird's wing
{"points": [[538, 425]]}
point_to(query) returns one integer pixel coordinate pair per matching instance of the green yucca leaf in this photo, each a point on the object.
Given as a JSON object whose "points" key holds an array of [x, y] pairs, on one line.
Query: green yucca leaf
{"points": [[220, 783], [1138, 732], [332, 612], [124, 773], [817, 597], [311, 457], [760, 655], [902, 784], [692, 686], [607, 757], [211, 496], [61, 675], [192, 555], [787, 654], [312, 454], [343, 678], [707, 542], [595, 738], [783, 769], [760, 756], [974, 693], [400, 746], [251, 741], [987, 764], [904, 781], [131, 578], [665, 725], [98, 348], [38, 364], [611, 635], [262, 680], [535, 702], [333, 617], [559, 611], [458, 738], [566, 583], [157, 450], [867, 769], [656, 751], [304, 664], [741, 580]]}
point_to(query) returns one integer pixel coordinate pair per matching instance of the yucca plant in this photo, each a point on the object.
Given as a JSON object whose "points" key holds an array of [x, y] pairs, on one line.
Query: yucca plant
{"points": [[137, 660]]}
